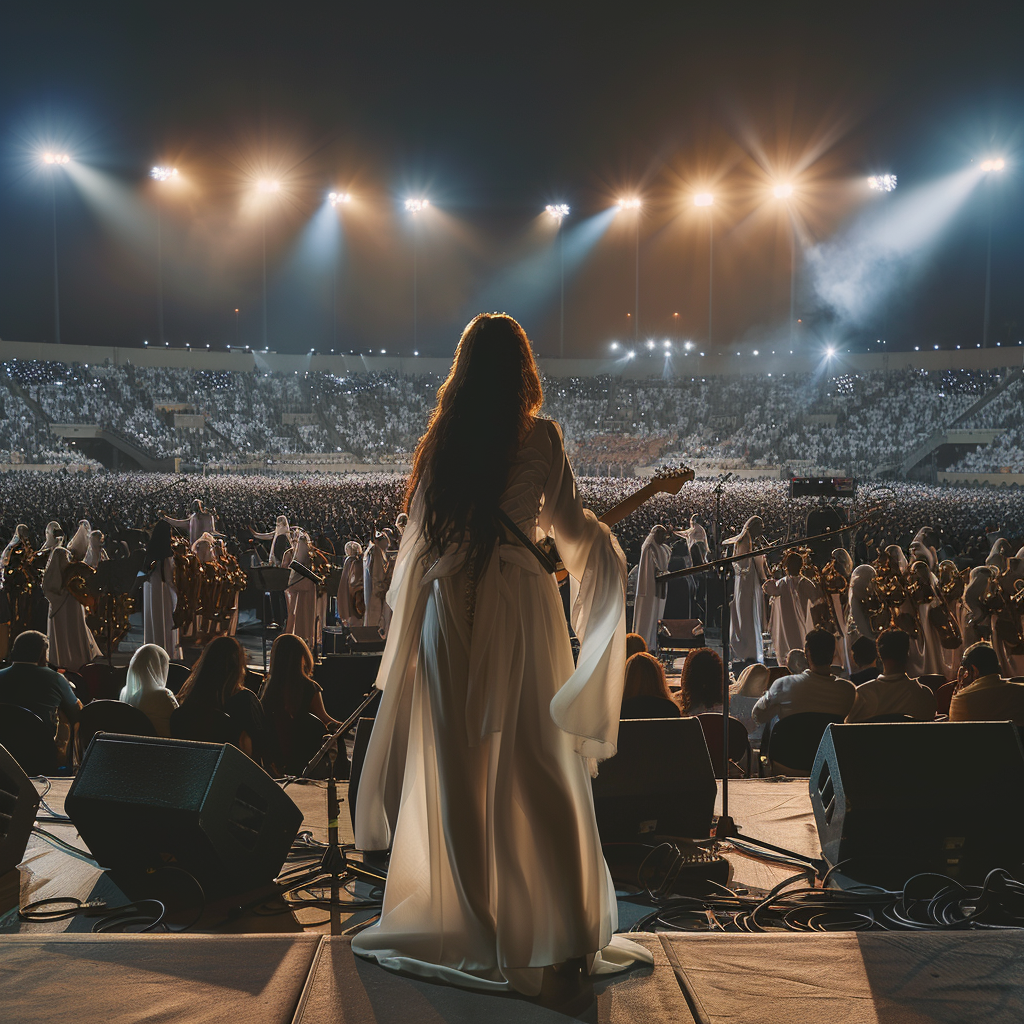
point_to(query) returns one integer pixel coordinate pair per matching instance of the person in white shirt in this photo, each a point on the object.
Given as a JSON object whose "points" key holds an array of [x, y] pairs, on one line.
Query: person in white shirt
{"points": [[789, 614], [893, 692], [816, 689], [649, 605]]}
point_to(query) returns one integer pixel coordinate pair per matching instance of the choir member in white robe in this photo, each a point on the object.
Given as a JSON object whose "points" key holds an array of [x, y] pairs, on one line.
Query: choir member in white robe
{"points": [[199, 522], [71, 641], [789, 608], [843, 564], [351, 605], [281, 529], [476, 774], [159, 596], [1008, 624], [746, 621], [96, 552], [928, 645], [301, 595], [54, 539], [951, 591], [375, 571], [78, 546], [858, 620], [975, 621], [649, 605]]}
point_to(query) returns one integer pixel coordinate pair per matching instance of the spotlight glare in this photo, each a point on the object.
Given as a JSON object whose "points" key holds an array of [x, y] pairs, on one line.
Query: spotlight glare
{"points": [[268, 185], [996, 164], [703, 199], [339, 197], [56, 158], [882, 182], [650, 344], [416, 205], [830, 351], [632, 203], [615, 346], [163, 173], [688, 345], [782, 191], [558, 210]]}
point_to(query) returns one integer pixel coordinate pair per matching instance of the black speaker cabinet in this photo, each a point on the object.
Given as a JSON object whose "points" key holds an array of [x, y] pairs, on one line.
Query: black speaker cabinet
{"points": [[366, 639], [680, 634], [896, 799], [19, 801], [138, 802], [659, 783]]}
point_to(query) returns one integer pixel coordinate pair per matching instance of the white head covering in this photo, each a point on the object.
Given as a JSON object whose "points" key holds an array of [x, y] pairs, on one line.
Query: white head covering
{"points": [[52, 529], [147, 672], [353, 549], [79, 545], [752, 528], [53, 578], [301, 556], [95, 548], [281, 526], [203, 548]]}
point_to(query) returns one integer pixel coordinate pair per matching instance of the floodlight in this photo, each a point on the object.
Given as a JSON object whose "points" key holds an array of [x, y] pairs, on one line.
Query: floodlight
{"points": [[629, 204], [996, 164], [882, 182], [164, 173], [558, 211], [56, 158], [416, 205], [339, 197], [703, 199], [268, 185], [783, 191]]}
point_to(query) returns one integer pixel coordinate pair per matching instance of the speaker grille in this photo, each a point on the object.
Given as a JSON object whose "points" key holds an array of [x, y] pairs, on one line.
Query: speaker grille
{"points": [[8, 801], [826, 793], [246, 816]]}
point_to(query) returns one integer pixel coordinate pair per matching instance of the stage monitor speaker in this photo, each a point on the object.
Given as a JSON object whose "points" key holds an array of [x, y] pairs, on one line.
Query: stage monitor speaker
{"points": [[659, 783], [19, 802], [896, 799], [334, 640], [140, 802], [828, 487], [680, 634], [366, 639]]}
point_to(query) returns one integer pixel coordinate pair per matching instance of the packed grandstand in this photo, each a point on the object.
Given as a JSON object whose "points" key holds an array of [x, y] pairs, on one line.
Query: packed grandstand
{"points": [[861, 424]]}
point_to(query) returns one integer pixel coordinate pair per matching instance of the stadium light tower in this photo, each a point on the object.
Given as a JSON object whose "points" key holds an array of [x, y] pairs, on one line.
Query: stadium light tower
{"points": [[992, 164], [633, 203], [161, 175], [415, 206], [558, 212], [52, 161], [705, 200], [266, 187]]}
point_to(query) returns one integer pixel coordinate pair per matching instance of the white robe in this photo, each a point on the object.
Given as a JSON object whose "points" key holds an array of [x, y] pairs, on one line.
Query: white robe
{"points": [[374, 571], [745, 643], [302, 598], [476, 774], [649, 605], [789, 615], [346, 610], [159, 599], [72, 644]]}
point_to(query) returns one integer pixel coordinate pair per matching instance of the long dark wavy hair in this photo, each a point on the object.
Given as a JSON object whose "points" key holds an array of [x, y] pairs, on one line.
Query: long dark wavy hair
{"points": [[485, 408]]}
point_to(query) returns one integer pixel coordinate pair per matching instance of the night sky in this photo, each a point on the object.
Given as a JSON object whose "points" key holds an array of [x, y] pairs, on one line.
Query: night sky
{"points": [[492, 111]]}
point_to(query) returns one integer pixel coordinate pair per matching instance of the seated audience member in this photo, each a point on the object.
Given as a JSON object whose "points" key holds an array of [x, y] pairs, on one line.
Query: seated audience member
{"points": [[146, 687], [981, 695], [645, 694], [893, 692], [865, 657], [815, 689], [796, 662], [217, 683], [290, 690], [635, 644], [29, 683], [745, 693], [701, 682]]}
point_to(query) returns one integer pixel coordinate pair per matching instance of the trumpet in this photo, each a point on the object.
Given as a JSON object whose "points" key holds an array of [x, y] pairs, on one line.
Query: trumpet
{"points": [[77, 579], [832, 580]]}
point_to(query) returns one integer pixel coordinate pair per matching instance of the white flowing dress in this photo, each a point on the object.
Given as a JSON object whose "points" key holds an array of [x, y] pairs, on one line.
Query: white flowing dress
{"points": [[651, 596], [159, 599], [476, 774], [789, 616], [747, 616]]}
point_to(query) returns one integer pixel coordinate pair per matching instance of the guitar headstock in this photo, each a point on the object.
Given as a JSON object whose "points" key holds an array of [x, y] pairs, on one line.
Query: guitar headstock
{"points": [[669, 480]]}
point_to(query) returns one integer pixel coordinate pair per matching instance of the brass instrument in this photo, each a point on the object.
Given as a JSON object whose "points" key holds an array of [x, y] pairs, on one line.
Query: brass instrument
{"points": [[77, 580], [1008, 626], [187, 580], [832, 580], [21, 578], [109, 618]]}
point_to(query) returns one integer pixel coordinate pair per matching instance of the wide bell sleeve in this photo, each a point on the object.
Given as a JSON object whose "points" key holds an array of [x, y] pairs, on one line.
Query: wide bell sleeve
{"points": [[588, 704]]}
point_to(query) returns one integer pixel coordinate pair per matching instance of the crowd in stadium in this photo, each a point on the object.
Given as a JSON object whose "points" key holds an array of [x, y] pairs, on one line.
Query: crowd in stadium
{"points": [[851, 423]]}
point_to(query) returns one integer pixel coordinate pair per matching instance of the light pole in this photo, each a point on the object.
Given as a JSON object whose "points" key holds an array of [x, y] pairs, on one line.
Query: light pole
{"points": [[706, 200], [785, 191], [161, 174], [55, 160], [559, 212], [883, 183], [988, 166], [336, 199], [265, 186], [634, 204], [415, 206]]}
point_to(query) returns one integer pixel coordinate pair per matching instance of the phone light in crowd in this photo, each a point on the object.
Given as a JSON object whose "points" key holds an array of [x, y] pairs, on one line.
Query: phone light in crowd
{"points": [[56, 158], [164, 173], [558, 210], [882, 182], [703, 199], [268, 185], [339, 198], [416, 205], [782, 191], [629, 204], [996, 164]]}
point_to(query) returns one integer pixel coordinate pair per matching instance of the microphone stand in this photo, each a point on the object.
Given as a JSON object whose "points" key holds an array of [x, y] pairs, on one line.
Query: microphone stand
{"points": [[726, 828], [334, 863]]}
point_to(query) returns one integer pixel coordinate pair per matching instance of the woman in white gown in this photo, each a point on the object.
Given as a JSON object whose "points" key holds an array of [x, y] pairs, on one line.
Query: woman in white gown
{"points": [[651, 596], [71, 641], [746, 622], [476, 774], [159, 596]]}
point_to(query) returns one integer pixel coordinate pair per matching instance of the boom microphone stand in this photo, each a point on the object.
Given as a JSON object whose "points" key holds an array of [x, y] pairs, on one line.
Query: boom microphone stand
{"points": [[726, 827]]}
